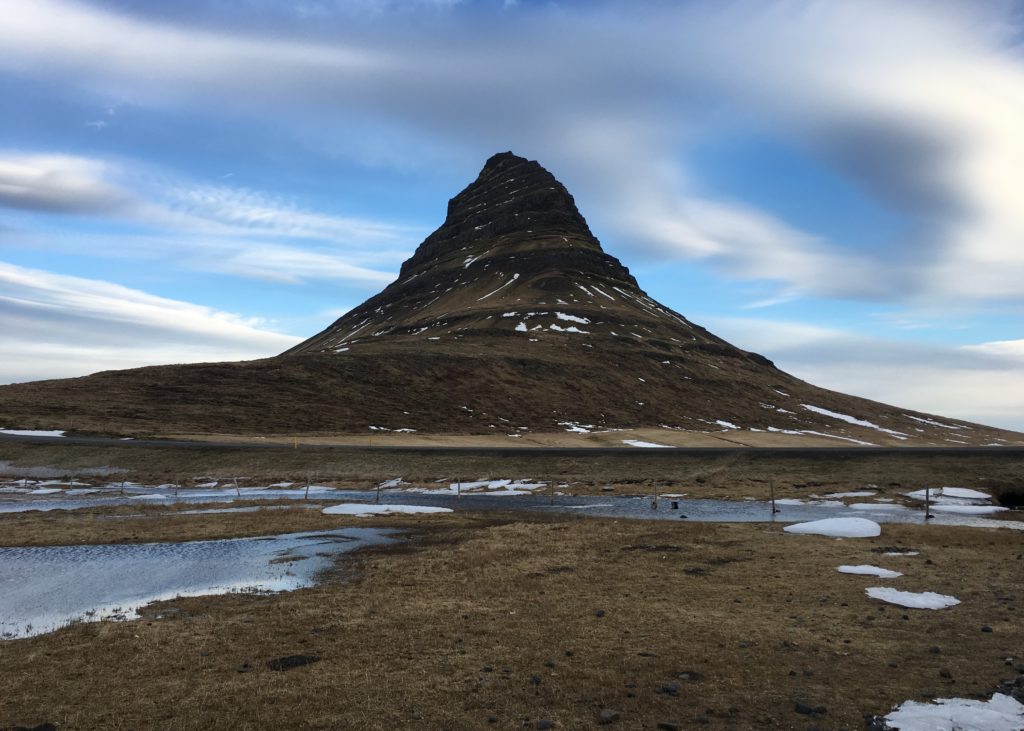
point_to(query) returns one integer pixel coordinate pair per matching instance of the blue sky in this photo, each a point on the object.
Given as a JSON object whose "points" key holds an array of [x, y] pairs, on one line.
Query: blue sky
{"points": [[834, 183]]}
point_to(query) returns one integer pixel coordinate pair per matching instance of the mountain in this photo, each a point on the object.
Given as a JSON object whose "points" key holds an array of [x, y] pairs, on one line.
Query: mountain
{"points": [[509, 319]]}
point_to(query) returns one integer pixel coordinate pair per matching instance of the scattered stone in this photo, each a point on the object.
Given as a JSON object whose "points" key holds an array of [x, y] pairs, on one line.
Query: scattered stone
{"points": [[549, 664], [599, 613], [535, 680], [669, 689], [245, 668], [986, 628], [804, 709], [668, 726], [492, 719], [607, 716], [292, 661], [690, 676], [945, 674], [544, 723], [935, 650], [488, 669]]}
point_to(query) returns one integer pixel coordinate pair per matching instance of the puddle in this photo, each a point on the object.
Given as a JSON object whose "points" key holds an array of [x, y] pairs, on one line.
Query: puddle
{"points": [[45, 588], [15, 499], [607, 506]]}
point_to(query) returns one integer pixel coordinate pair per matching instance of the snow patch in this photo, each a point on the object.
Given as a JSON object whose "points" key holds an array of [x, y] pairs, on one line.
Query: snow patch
{"points": [[1001, 713], [912, 599], [853, 420], [837, 528], [639, 443], [363, 510], [867, 570], [32, 433]]}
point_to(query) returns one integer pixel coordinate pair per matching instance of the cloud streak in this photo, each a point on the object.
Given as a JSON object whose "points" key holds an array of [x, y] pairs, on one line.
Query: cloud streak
{"points": [[209, 228], [919, 104], [58, 326], [979, 383]]}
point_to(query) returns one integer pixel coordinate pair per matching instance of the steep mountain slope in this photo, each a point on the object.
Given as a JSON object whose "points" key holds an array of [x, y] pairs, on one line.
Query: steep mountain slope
{"points": [[509, 318]]}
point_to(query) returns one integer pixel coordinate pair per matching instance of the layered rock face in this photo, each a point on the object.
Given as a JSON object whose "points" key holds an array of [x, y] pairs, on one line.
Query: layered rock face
{"points": [[514, 257], [508, 320]]}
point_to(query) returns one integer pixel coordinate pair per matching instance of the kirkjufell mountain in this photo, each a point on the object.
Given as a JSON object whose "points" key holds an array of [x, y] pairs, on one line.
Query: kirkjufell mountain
{"points": [[508, 320]]}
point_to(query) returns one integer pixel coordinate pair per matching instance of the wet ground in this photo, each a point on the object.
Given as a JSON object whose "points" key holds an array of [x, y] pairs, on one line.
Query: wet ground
{"points": [[45, 588], [19, 499]]}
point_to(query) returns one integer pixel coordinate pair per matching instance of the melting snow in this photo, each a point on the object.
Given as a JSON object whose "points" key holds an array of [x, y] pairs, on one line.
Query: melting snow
{"points": [[853, 420], [968, 509], [866, 570], [965, 492], [1001, 713], [726, 424], [570, 329], [514, 278], [32, 433], [521, 327], [855, 493], [639, 443], [912, 599], [837, 528], [363, 510], [932, 422], [572, 318]]}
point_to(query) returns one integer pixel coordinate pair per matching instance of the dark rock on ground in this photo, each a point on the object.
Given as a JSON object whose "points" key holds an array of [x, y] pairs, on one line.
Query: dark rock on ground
{"points": [[292, 661]]}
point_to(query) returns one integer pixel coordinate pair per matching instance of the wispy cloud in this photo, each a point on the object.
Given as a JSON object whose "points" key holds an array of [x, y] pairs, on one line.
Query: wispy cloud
{"points": [[59, 184], [917, 103], [57, 326], [212, 228], [979, 383]]}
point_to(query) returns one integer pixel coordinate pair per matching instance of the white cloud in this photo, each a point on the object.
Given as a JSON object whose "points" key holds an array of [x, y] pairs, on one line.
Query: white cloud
{"points": [[918, 103], [59, 184], [979, 383], [57, 326], [211, 228]]}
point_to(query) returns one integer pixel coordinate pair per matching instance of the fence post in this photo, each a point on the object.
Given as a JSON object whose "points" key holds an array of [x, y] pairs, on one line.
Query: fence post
{"points": [[771, 491]]}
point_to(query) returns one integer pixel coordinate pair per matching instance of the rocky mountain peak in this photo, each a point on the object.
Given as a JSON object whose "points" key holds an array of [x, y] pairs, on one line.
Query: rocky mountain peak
{"points": [[512, 197]]}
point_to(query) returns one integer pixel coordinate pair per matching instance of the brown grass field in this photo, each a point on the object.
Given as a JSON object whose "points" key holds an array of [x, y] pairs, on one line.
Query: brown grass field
{"points": [[492, 621]]}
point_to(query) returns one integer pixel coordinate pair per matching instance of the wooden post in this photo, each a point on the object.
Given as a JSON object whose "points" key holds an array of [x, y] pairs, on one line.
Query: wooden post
{"points": [[458, 487], [307, 485], [654, 503], [928, 504], [771, 491], [551, 492], [122, 486], [378, 493], [238, 493]]}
